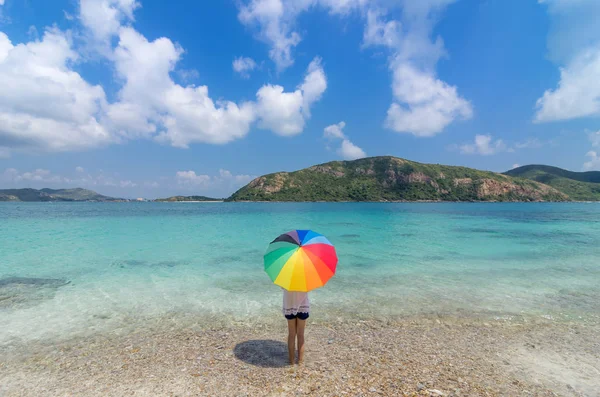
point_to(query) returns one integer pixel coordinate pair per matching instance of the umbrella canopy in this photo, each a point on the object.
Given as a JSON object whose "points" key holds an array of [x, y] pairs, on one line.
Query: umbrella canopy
{"points": [[300, 260]]}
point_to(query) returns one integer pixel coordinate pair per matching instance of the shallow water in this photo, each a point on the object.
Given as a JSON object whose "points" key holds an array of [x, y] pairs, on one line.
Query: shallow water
{"points": [[72, 269]]}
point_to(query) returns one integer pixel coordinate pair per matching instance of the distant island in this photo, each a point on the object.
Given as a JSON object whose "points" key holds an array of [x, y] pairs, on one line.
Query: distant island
{"points": [[76, 194], [188, 198], [579, 186], [381, 179]]}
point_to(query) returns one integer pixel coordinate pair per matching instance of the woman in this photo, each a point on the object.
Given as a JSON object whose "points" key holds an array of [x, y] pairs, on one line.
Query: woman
{"points": [[296, 307]]}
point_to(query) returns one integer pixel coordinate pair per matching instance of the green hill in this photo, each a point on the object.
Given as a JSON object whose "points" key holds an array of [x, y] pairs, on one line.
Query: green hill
{"points": [[393, 179], [581, 186], [77, 194], [187, 198]]}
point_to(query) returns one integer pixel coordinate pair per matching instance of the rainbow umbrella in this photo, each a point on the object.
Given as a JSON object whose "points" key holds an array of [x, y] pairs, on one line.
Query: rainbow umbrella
{"points": [[300, 260]]}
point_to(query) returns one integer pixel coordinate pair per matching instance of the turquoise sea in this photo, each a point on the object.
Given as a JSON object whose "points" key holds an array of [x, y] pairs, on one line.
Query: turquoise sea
{"points": [[74, 269]]}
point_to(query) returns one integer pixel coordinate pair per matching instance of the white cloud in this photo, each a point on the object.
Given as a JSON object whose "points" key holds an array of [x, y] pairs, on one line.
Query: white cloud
{"points": [[1, 2], [484, 145], [515, 166], [574, 45], [36, 176], [275, 20], [347, 150], [350, 151], [190, 178], [285, 113], [578, 91], [243, 66], [594, 163], [41, 178], [423, 104], [379, 33], [227, 176], [44, 104], [224, 181], [150, 100], [104, 17], [335, 131]]}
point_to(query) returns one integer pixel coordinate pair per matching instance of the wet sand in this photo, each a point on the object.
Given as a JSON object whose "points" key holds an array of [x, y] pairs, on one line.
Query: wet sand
{"points": [[426, 356]]}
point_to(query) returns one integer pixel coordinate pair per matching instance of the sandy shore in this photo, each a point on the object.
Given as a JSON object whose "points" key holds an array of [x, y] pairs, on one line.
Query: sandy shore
{"points": [[411, 357]]}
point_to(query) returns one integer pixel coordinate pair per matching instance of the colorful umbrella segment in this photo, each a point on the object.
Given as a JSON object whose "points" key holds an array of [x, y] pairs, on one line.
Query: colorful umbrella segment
{"points": [[300, 260]]}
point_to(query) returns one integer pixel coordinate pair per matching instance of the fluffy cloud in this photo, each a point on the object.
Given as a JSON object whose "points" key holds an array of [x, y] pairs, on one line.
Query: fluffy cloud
{"points": [[274, 20], [44, 104], [150, 98], [347, 150], [285, 113], [190, 178], [423, 104], [41, 178], [104, 17], [227, 176], [151, 101], [350, 151], [573, 44], [485, 145], [578, 91], [243, 66], [515, 166], [594, 163], [225, 180], [335, 131]]}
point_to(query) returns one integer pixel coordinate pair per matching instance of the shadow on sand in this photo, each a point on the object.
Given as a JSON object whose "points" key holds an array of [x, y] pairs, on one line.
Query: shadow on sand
{"points": [[262, 353]]}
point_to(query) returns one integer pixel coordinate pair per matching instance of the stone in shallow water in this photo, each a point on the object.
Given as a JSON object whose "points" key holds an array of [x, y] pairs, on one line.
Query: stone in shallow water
{"points": [[53, 282], [141, 263], [21, 292]]}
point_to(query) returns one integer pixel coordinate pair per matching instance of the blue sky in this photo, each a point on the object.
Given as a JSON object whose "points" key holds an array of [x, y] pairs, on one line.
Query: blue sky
{"points": [[147, 98]]}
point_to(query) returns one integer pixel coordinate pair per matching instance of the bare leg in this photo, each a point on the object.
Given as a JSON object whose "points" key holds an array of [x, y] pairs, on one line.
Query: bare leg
{"points": [[300, 332], [292, 340]]}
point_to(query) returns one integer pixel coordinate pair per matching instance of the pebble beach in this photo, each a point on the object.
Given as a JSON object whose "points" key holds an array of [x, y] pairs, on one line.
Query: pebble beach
{"points": [[411, 357]]}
